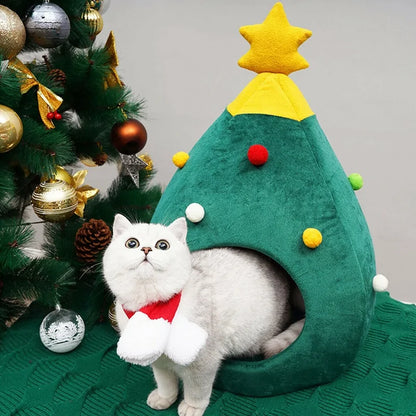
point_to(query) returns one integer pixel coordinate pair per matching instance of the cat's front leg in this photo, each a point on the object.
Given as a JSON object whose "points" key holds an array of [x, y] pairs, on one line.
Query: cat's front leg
{"points": [[143, 340], [185, 340], [197, 386], [167, 388]]}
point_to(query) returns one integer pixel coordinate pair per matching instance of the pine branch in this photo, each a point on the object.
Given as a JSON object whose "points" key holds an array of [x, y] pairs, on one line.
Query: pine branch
{"points": [[42, 280], [12, 237], [41, 150]]}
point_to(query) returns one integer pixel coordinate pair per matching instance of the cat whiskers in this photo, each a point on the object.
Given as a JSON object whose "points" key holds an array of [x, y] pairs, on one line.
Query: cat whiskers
{"points": [[89, 269]]}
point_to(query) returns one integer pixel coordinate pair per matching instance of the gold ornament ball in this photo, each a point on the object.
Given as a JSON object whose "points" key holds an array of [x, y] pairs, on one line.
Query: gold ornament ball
{"points": [[93, 19], [11, 129], [12, 33], [54, 200]]}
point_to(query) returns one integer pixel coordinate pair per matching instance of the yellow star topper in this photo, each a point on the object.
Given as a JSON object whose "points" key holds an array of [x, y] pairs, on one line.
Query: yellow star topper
{"points": [[274, 44]]}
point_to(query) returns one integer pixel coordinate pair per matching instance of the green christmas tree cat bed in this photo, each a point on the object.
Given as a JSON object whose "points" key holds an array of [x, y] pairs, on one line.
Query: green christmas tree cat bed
{"points": [[263, 177]]}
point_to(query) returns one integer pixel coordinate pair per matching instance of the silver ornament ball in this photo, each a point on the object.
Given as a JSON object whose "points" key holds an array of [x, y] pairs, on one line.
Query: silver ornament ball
{"points": [[48, 25], [62, 330]]}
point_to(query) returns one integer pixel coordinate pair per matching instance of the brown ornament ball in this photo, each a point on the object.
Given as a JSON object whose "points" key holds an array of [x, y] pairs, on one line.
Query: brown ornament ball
{"points": [[129, 137]]}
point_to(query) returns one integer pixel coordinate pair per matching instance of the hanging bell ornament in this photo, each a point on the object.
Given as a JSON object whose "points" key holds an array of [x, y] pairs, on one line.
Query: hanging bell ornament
{"points": [[11, 129], [12, 33], [54, 200], [93, 20], [48, 25]]}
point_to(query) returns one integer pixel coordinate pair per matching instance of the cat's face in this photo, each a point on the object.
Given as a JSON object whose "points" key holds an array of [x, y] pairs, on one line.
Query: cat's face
{"points": [[146, 262]]}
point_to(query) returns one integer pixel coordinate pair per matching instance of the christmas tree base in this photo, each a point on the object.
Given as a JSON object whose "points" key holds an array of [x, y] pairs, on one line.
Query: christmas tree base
{"points": [[92, 380]]}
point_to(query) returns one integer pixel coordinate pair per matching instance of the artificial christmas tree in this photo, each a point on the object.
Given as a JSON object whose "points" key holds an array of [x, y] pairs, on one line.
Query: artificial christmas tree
{"points": [[54, 111]]}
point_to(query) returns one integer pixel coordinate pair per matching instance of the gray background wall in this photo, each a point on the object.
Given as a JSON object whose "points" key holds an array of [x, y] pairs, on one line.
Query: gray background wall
{"points": [[181, 56]]}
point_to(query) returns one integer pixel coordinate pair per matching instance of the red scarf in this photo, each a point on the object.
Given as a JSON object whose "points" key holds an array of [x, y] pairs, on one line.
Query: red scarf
{"points": [[166, 310]]}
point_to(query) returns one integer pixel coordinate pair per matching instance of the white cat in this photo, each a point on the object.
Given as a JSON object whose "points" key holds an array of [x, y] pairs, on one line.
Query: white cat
{"points": [[184, 313]]}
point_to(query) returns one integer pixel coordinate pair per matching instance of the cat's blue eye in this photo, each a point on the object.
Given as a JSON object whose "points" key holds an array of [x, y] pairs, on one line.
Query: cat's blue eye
{"points": [[162, 245], [132, 243]]}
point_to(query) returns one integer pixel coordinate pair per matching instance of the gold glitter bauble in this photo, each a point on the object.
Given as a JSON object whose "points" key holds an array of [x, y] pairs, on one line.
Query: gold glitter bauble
{"points": [[54, 200], [12, 33], [93, 20], [11, 129]]}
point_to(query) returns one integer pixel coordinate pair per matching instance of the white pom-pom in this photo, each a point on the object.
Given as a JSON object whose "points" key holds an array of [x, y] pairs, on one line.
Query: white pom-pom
{"points": [[195, 212], [380, 283]]}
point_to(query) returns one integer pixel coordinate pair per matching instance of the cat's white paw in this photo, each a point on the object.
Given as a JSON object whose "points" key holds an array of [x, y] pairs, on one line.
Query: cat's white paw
{"points": [[184, 409], [185, 340], [143, 340], [155, 401]]}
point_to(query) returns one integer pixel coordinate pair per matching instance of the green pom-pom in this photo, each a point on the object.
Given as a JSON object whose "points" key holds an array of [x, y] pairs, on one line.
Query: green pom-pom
{"points": [[356, 181]]}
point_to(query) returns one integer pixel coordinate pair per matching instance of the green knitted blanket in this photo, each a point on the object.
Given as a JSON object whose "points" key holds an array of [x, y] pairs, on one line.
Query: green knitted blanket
{"points": [[92, 380]]}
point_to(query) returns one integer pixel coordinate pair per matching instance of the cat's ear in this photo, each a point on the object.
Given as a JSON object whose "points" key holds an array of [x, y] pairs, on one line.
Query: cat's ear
{"points": [[120, 225], [179, 229]]}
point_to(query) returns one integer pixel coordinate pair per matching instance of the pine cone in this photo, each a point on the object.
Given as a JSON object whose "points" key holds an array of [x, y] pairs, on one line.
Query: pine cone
{"points": [[58, 76], [93, 237]]}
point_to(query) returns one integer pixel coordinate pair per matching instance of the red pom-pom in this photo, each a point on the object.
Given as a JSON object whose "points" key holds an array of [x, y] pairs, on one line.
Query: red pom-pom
{"points": [[50, 116], [257, 154], [58, 116]]}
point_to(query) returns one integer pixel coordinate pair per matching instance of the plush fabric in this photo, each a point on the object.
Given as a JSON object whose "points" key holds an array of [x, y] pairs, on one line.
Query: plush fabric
{"points": [[273, 94], [93, 380], [274, 44], [267, 208]]}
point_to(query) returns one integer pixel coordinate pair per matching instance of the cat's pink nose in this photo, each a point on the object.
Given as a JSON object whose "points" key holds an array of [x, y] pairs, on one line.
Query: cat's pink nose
{"points": [[146, 250]]}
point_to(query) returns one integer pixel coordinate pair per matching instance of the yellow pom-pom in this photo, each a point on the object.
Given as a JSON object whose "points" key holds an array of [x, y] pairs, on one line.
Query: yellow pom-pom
{"points": [[179, 159], [312, 237]]}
